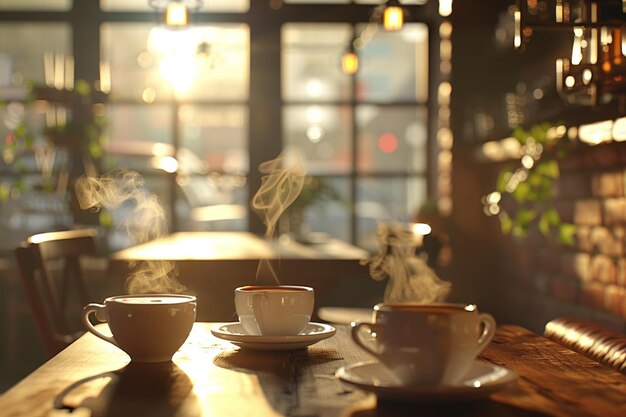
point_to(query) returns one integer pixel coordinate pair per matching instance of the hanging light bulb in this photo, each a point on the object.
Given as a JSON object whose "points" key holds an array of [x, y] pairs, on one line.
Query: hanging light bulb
{"points": [[350, 62], [350, 59], [393, 15], [176, 14]]}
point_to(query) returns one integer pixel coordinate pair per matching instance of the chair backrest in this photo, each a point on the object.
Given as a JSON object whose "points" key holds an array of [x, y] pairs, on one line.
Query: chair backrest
{"points": [[51, 291]]}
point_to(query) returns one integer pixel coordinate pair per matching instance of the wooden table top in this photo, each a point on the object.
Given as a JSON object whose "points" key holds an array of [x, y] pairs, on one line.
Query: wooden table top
{"points": [[212, 264], [210, 377], [235, 246]]}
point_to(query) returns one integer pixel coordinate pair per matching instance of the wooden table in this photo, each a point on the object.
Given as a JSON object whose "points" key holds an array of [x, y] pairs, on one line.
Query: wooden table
{"points": [[210, 377], [212, 264], [236, 246]]}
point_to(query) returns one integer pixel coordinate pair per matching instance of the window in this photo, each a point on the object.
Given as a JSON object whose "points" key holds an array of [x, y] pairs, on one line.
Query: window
{"points": [[237, 6], [195, 111], [178, 104], [35, 5], [27, 167], [365, 136]]}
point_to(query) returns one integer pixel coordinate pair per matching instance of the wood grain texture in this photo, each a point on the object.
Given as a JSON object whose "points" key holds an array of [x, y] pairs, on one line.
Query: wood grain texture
{"points": [[555, 379], [211, 377]]}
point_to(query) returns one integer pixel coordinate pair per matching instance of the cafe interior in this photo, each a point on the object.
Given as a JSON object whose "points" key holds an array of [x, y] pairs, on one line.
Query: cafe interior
{"points": [[483, 137]]}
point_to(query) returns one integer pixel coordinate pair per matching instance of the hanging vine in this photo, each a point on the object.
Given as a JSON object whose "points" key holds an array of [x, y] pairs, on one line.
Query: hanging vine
{"points": [[524, 194]]}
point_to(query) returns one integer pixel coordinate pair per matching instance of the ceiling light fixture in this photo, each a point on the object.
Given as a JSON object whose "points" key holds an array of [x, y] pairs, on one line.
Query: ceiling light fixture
{"points": [[393, 15], [390, 15], [176, 12], [350, 60], [595, 73]]}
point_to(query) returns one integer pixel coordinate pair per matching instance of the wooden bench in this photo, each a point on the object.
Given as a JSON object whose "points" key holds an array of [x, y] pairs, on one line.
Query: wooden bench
{"points": [[589, 339]]}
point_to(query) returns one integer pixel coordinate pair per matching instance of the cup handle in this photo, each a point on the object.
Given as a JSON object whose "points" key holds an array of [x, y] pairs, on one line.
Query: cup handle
{"points": [[356, 336], [489, 329], [99, 311]]}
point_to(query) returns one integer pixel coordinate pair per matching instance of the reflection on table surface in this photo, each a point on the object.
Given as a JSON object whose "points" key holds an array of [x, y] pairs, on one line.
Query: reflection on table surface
{"points": [[211, 377], [345, 315]]}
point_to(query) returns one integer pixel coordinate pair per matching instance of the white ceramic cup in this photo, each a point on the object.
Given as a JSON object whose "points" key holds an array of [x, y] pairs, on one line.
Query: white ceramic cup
{"points": [[279, 310], [426, 344], [148, 327]]}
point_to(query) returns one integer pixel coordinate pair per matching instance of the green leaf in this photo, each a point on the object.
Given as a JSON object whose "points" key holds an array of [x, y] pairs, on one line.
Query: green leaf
{"points": [[548, 169], [5, 191], [534, 194], [524, 216], [520, 134], [534, 179], [20, 130], [552, 216], [544, 225], [567, 232], [48, 186], [503, 178], [545, 190], [521, 192], [539, 132], [506, 223], [28, 142], [82, 87], [20, 166], [100, 121], [548, 218], [106, 219], [95, 150], [519, 230], [19, 185]]}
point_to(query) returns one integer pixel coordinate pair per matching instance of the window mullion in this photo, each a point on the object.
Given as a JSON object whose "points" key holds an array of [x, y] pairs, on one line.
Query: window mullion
{"points": [[265, 122]]}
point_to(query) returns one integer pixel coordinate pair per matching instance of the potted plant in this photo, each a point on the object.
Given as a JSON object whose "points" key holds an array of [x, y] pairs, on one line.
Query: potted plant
{"points": [[62, 151], [315, 192]]}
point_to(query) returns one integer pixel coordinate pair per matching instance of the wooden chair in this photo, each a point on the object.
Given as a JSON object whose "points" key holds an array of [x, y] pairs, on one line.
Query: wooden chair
{"points": [[54, 294]]}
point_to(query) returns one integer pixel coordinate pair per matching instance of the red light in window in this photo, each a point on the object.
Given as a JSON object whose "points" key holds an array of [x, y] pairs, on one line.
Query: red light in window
{"points": [[387, 142]]}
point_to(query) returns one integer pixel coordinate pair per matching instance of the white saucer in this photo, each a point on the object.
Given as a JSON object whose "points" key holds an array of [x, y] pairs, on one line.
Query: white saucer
{"points": [[235, 333], [481, 380]]}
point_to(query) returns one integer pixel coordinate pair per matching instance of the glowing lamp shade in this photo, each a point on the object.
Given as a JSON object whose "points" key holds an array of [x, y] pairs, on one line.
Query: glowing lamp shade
{"points": [[176, 14], [393, 17], [350, 63]]}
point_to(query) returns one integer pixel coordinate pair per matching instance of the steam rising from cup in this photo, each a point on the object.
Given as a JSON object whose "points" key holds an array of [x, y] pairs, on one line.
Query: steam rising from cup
{"points": [[281, 183], [145, 222], [411, 280]]}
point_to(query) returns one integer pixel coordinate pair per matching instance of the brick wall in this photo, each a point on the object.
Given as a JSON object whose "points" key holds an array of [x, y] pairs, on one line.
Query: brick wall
{"points": [[530, 281], [543, 279]]}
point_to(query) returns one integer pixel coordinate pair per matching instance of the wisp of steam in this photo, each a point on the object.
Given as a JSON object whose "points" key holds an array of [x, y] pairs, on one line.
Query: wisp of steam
{"points": [[411, 280], [145, 222], [281, 183]]}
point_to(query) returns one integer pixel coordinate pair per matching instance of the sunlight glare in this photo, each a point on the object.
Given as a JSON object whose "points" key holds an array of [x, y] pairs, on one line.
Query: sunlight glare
{"points": [[166, 163]]}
